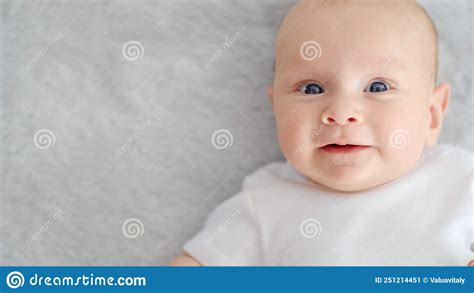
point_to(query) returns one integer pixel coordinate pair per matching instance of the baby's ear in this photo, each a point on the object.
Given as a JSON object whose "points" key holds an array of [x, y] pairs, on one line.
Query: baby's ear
{"points": [[270, 94], [438, 105], [443, 93]]}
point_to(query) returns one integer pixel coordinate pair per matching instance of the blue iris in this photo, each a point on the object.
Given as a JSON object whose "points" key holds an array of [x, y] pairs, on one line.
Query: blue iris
{"points": [[312, 89], [377, 86]]}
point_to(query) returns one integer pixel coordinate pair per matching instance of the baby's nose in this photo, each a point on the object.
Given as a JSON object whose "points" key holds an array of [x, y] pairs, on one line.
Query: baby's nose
{"points": [[341, 118]]}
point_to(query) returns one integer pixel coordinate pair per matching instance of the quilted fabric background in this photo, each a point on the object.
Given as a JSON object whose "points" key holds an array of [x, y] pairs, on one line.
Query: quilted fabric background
{"points": [[123, 124]]}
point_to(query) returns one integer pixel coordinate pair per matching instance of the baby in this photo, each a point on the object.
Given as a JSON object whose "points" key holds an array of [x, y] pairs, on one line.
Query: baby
{"points": [[359, 112]]}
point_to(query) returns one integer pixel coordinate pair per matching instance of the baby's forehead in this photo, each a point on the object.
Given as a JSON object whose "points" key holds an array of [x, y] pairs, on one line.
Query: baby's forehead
{"points": [[362, 31]]}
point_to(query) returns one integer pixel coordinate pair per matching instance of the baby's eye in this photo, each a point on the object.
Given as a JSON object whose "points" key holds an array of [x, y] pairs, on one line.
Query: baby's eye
{"points": [[311, 89], [377, 86]]}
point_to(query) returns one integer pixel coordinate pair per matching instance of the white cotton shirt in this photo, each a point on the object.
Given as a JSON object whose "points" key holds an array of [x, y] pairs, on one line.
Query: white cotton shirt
{"points": [[281, 218]]}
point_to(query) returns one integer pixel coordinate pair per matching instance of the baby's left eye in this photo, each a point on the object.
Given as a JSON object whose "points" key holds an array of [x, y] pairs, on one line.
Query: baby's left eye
{"points": [[311, 89], [377, 86]]}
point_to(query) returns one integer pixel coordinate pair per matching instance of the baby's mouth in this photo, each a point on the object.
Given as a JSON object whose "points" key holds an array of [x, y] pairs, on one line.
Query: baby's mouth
{"points": [[346, 148]]}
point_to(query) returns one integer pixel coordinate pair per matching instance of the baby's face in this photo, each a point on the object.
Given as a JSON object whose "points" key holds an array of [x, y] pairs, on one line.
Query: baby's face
{"points": [[354, 96]]}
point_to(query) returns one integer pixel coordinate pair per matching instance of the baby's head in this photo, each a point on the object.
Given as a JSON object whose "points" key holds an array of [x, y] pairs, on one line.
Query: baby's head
{"points": [[355, 95]]}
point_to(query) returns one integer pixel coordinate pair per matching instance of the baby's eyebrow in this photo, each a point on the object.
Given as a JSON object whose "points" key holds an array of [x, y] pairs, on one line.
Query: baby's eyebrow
{"points": [[307, 68], [301, 72], [383, 68], [392, 61]]}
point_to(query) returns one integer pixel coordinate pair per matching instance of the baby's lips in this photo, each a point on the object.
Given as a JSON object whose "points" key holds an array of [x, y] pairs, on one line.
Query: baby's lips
{"points": [[343, 142]]}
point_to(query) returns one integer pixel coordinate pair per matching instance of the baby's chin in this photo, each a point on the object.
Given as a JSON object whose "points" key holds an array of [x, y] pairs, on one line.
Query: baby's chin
{"points": [[355, 177], [347, 178], [342, 171], [357, 170], [345, 182]]}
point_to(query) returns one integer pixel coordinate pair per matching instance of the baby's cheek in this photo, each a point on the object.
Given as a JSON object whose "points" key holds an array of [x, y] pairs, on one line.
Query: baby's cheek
{"points": [[289, 137], [401, 126], [295, 141], [403, 138], [294, 125]]}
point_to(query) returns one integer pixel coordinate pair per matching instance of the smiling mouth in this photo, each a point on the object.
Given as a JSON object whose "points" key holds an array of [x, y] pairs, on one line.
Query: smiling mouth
{"points": [[347, 148]]}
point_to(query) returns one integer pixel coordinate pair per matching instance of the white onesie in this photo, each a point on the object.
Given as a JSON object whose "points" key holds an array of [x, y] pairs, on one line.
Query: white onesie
{"points": [[282, 218]]}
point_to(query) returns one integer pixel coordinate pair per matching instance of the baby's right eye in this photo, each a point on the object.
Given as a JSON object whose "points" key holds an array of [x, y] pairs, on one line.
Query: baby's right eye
{"points": [[311, 88]]}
